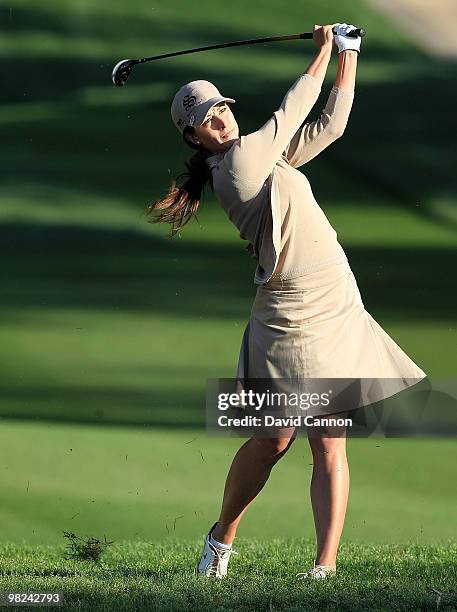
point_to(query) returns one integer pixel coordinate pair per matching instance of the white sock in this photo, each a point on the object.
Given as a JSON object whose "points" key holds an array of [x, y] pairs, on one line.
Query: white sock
{"points": [[217, 544]]}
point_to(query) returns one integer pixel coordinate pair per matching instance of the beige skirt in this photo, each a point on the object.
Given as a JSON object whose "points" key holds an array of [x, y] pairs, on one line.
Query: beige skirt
{"points": [[316, 326]]}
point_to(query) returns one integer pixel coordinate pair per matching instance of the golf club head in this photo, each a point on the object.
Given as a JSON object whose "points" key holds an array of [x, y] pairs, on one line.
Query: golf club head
{"points": [[122, 70]]}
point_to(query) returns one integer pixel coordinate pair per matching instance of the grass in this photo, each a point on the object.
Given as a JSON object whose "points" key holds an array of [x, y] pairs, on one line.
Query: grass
{"points": [[147, 576], [108, 331], [145, 483]]}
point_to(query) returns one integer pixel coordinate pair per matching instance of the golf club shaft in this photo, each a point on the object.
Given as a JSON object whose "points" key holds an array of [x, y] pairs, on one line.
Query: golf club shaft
{"points": [[304, 35]]}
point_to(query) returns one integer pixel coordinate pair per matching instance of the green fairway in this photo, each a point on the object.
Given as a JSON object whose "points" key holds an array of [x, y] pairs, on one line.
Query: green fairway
{"points": [[109, 331], [145, 576], [145, 483]]}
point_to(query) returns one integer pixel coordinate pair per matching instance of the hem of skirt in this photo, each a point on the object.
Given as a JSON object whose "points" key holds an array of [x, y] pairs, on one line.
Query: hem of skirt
{"points": [[408, 382]]}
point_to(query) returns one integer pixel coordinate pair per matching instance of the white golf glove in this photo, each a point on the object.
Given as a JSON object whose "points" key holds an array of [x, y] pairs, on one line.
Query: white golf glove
{"points": [[344, 42]]}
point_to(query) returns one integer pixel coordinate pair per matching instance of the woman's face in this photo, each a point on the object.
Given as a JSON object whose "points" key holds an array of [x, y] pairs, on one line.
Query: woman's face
{"points": [[218, 131]]}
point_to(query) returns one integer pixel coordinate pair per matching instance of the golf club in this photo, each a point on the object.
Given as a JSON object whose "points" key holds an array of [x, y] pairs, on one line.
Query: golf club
{"points": [[122, 69]]}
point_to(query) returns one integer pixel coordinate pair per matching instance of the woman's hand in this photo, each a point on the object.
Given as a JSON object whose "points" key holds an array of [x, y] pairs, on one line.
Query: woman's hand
{"points": [[323, 35], [345, 42]]}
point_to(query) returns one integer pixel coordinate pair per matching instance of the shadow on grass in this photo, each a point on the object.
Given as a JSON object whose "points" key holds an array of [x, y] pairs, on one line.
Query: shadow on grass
{"points": [[399, 142], [126, 272], [167, 408], [393, 149], [75, 267], [398, 148]]}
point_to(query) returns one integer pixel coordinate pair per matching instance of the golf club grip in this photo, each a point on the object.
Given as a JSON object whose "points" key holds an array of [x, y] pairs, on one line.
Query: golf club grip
{"points": [[352, 34]]}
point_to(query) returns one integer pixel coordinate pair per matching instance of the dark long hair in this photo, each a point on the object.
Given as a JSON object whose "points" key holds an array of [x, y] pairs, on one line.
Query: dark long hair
{"points": [[185, 193]]}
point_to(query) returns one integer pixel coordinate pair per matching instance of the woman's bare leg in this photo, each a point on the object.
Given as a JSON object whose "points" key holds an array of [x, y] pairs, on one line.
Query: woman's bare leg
{"points": [[248, 474], [329, 493]]}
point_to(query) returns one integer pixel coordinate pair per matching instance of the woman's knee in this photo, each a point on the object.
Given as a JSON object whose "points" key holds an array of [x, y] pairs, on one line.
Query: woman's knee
{"points": [[328, 438], [275, 447], [325, 446]]}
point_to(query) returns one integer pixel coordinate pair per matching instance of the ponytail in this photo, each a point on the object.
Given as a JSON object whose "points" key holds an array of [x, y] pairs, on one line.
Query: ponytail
{"points": [[182, 200]]}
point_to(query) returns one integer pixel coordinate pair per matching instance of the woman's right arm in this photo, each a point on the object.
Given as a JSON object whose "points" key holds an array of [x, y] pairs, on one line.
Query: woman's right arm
{"points": [[323, 37], [254, 156]]}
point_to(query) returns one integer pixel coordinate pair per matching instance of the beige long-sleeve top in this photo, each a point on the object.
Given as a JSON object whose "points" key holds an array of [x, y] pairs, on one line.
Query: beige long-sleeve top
{"points": [[271, 203]]}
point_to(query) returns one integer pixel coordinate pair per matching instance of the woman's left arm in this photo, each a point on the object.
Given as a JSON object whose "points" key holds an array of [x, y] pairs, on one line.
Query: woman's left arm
{"points": [[347, 67], [312, 138]]}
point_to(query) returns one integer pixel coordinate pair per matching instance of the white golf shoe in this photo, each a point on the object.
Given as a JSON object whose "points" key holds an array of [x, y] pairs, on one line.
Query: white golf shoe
{"points": [[318, 572], [214, 561]]}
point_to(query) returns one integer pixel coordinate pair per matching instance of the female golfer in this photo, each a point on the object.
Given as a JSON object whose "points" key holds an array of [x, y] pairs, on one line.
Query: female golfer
{"points": [[308, 319]]}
